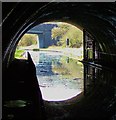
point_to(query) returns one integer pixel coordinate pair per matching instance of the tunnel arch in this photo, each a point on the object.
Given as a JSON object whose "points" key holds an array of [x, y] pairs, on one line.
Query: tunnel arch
{"points": [[99, 19], [90, 16], [47, 97]]}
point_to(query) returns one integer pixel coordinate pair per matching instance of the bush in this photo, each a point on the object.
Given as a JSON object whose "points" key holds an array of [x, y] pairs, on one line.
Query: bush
{"points": [[64, 31], [28, 39], [35, 49], [18, 53]]}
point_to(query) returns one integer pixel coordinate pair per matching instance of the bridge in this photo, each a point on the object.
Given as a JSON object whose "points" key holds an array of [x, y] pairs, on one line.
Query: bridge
{"points": [[44, 32]]}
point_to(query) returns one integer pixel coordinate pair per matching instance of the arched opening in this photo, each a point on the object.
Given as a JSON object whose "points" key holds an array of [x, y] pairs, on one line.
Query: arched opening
{"points": [[56, 49], [98, 19]]}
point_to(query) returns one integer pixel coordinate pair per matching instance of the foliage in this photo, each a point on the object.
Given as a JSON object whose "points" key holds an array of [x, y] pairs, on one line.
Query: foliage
{"points": [[74, 36], [18, 53], [36, 49], [28, 39], [69, 67], [73, 66], [60, 30], [64, 31]]}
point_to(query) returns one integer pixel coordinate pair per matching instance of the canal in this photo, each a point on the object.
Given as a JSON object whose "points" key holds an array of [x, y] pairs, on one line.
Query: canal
{"points": [[74, 90], [60, 77]]}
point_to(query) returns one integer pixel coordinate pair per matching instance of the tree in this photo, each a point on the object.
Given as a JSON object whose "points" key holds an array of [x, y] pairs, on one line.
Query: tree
{"points": [[75, 37], [28, 39], [64, 31]]}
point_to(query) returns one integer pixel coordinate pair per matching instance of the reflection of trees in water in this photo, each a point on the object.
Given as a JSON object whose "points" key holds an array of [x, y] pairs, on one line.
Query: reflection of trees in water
{"points": [[55, 73], [68, 66], [62, 65], [61, 70], [75, 68]]}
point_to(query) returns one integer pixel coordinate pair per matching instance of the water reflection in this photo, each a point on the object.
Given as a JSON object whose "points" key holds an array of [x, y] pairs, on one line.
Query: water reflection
{"points": [[100, 89], [60, 77]]}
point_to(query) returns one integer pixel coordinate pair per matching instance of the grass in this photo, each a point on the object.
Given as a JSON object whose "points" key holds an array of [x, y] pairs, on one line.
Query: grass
{"points": [[18, 53]]}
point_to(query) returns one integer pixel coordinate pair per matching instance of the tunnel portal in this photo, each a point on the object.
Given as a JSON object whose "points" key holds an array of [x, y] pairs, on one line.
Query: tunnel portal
{"points": [[98, 20]]}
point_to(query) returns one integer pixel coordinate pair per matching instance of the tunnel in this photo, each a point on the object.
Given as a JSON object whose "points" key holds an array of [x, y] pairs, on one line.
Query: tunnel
{"points": [[98, 21]]}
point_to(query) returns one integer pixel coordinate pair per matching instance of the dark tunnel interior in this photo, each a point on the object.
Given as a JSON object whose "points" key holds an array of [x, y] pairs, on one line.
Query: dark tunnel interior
{"points": [[98, 22]]}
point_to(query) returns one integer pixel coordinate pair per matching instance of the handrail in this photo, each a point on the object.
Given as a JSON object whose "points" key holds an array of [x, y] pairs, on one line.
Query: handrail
{"points": [[99, 66]]}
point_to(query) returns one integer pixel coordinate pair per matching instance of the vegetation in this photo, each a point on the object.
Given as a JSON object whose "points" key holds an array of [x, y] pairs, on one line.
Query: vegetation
{"points": [[36, 49], [64, 31], [69, 68], [28, 39], [73, 66], [61, 30], [18, 53]]}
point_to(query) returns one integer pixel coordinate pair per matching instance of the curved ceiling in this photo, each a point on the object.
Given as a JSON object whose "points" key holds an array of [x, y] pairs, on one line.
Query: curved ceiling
{"points": [[97, 18]]}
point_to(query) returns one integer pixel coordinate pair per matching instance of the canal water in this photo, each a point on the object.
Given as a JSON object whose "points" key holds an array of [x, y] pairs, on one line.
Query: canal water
{"points": [[60, 77]]}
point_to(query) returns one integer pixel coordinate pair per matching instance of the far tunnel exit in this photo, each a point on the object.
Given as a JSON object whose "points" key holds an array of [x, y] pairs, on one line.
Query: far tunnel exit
{"points": [[56, 57]]}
